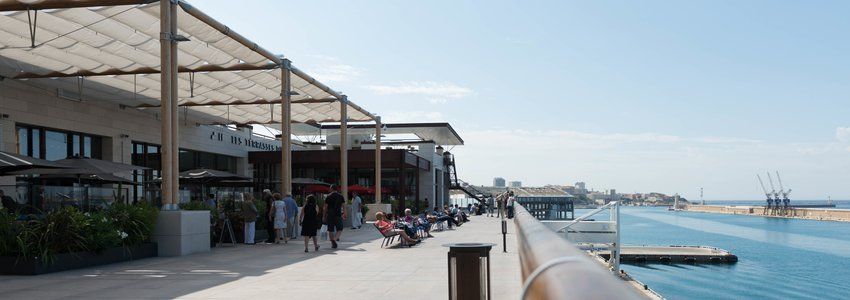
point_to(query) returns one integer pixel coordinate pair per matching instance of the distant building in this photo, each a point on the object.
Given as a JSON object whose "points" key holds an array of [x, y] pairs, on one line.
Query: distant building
{"points": [[516, 184], [580, 188], [498, 182]]}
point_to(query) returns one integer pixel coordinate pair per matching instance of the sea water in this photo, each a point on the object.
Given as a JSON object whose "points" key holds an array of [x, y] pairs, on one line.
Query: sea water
{"points": [[778, 258]]}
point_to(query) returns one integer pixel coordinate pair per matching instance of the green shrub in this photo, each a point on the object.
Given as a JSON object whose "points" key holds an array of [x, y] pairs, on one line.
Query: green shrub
{"points": [[101, 232], [195, 205], [68, 230], [61, 231], [134, 223]]}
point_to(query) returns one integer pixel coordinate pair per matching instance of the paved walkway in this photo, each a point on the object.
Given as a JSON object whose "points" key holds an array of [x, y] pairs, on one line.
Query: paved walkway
{"points": [[359, 269]]}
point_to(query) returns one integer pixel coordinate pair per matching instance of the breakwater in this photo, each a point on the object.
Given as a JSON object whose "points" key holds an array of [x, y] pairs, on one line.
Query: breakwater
{"points": [[823, 214]]}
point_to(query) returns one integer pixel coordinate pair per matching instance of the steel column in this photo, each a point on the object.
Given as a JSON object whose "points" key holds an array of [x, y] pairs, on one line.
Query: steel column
{"points": [[378, 167], [343, 146], [286, 128], [175, 136], [166, 109]]}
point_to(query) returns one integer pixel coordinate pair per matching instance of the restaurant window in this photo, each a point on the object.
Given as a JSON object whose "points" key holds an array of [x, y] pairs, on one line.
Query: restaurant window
{"points": [[54, 144], [23, 141], [148, 155]]}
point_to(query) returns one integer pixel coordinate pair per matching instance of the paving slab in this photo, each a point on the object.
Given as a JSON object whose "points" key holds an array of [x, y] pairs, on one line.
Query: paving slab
{"points": [[360, 268]]}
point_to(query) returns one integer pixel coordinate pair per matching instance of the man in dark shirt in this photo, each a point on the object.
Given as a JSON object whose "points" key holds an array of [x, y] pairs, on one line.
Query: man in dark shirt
{"points": [[333, 216]]}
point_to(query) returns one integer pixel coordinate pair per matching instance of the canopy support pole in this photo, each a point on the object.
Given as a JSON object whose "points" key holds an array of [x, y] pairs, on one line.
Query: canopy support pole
{"points": [[165, 107], [286, 127], [175, 111], [378, 160], [343, 146]]}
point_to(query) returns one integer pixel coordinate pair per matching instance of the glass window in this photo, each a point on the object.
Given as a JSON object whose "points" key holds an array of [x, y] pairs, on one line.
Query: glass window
{"points": [[153, 158], [75, 144], [206, 160], [35, 142], [187, 160], [23, 141], [56, 145], [87, 146]]}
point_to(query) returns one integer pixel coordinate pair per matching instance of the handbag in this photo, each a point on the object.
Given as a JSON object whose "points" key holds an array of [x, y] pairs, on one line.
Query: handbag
{"points": [[323, 232]]}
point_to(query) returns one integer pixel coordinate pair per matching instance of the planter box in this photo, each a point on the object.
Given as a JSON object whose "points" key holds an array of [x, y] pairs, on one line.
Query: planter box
{"points": [[70, 261], [182, 232]]}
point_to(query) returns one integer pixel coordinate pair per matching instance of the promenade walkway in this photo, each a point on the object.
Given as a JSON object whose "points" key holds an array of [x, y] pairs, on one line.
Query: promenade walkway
{"points": [[359, 269]]}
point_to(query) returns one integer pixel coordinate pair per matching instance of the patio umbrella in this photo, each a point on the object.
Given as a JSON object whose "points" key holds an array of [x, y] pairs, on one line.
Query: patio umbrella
{"points": [[206, 175], [317, 188], [371, 190], [98, 178], [82, 166], [356, 188], [308, 181], [10, 162]]}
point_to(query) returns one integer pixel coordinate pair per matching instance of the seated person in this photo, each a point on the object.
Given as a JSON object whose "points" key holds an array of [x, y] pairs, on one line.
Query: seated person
{"points": [[385, 227], [424, 223], [448, 217], [408, 222]]}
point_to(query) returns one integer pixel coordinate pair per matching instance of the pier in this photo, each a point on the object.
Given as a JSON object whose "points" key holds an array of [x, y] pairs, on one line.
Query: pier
{"points": [[822, 214], [672, 254]]}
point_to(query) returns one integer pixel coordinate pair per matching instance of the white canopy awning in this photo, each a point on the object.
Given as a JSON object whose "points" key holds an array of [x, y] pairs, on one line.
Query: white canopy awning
{"points": [[108, 50]]}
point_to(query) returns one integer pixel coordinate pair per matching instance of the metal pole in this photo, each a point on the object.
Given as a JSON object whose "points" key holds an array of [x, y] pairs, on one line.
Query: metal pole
{"points": [[615, 256], [378, 167], [504, 235], [343, 146], [286, 127], [165, 109], [175, 137]]}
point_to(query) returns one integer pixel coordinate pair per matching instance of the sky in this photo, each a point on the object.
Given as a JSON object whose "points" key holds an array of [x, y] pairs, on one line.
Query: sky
{"points": [[640, 96]]}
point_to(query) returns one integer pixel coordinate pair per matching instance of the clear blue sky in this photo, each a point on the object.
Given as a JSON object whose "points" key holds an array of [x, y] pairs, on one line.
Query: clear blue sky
{"points": [[664, 96]]}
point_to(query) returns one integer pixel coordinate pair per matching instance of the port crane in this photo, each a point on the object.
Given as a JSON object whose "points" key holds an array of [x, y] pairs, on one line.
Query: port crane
{"points": [[786, 202], [766, 194], [776, 200]]}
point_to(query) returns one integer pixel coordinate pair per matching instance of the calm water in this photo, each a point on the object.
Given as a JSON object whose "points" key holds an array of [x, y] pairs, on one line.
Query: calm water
{"points": [[778, 258]]}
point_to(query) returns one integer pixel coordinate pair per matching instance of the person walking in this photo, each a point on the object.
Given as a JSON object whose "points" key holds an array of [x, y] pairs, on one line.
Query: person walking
{"points": [[309, 222], [510, 205], [279, 215], [333, 215], [249, 213], [268, 199], [500, 200], [356, 212], [291, 214], [490, 204]]}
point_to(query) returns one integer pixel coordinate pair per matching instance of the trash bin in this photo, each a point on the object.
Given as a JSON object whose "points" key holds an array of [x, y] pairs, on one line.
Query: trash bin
{"points": [[469, 270]]}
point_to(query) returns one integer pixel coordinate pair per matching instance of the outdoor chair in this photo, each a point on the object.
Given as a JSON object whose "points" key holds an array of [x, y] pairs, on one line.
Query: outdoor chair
{"points": [[389, 237]]}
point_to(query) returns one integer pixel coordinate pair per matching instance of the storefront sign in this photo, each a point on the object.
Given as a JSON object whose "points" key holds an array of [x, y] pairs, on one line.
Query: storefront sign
{"points": [[247, 142]]}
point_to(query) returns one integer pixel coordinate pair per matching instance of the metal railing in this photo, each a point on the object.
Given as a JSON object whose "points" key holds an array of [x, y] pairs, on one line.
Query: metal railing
{"points": [[555, 269]]}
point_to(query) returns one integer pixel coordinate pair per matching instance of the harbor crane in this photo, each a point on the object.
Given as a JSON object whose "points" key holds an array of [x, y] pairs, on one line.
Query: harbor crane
{"points": [[776, 200], [766, 194], [786, 202]]}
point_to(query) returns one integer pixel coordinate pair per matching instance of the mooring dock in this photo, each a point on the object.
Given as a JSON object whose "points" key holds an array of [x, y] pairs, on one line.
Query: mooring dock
{"points": [[672, 254]]}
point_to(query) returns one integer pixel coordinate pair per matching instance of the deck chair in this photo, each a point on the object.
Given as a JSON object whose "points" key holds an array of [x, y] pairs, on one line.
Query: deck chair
{"points": [[389, 237]]}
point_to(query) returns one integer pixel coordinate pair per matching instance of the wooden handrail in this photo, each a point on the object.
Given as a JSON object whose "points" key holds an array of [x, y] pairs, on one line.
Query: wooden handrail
{"points": [[581, 278]]}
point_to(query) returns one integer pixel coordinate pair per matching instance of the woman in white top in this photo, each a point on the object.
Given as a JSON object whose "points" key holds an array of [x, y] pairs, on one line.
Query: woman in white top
{"points": [[279, 214]]}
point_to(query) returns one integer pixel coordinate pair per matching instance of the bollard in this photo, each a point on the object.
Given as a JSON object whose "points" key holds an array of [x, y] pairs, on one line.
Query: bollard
{"points": [[469, 270], [504, 236]]}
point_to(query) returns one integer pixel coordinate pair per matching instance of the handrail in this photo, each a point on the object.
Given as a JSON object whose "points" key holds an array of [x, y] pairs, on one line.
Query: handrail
{"points": [[583, 278]]}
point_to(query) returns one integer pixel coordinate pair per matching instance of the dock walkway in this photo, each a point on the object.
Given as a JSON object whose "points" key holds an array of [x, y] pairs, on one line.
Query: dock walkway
{"points": [[360, 269]]}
